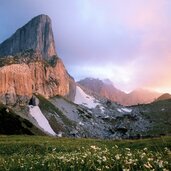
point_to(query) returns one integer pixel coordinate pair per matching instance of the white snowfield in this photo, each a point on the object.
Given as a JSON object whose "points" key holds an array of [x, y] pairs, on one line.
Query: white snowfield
{"points": [[36, 113], [124, 109], [82, 98]]}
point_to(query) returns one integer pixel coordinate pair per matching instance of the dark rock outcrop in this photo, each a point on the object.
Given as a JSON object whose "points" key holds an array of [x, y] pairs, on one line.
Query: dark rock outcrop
{"points": [[36, 35], [12, 124]]}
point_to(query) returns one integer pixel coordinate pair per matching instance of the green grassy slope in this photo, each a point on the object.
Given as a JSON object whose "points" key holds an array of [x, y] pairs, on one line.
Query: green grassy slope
{"points": [[159, 114]]}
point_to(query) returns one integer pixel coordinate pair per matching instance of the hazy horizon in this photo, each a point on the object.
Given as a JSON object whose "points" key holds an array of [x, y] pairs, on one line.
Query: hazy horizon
{"points": [[126, 42]]}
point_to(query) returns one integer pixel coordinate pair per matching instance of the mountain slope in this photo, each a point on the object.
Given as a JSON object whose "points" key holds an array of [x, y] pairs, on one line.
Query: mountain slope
{"points": [[105, 119], [82, 98], [158, 114], [103, 88], [12, 123], [141, 96], [165, 96], [106, 89]]}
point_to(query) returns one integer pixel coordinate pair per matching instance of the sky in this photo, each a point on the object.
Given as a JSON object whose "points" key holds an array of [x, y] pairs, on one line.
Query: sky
{"points": [[127, 41]]}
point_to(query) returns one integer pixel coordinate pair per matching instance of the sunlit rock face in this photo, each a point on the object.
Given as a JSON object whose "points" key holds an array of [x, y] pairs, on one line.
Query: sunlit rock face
{"points": [[15, 84], [29, 64]]}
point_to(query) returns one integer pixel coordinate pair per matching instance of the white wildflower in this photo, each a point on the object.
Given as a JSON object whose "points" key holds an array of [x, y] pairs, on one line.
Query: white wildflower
{"points": [[161, 163], [104, 158], [117, 156], [148, 165]]}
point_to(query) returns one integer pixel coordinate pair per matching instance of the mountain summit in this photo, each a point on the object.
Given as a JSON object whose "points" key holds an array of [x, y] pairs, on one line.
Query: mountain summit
{"points": [[165, 96], [107, 89], [36, 35], [29, 64], [103, 88]]}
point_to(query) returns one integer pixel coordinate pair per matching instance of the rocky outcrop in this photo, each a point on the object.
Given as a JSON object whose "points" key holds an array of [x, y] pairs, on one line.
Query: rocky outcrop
{"points": [[36, 35], [20, 81], [30, 65]]}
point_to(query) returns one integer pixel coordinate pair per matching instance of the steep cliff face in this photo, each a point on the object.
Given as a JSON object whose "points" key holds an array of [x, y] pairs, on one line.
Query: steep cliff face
{"points": [[36, 35], [15, 84], [29, 65], [49, 81], [19, 81]]}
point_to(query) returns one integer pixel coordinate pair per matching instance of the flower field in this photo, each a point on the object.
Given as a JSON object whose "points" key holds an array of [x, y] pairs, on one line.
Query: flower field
{"points": [[57, 154]]}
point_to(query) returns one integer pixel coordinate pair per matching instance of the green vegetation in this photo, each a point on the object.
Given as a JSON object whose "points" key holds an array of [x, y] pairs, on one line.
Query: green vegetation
{"points": [[159, 115], [47, 153]]}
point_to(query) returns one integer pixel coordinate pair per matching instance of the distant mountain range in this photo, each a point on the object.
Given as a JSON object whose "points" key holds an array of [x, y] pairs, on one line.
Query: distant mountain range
{"points": [[106, 89], [165, 96]]}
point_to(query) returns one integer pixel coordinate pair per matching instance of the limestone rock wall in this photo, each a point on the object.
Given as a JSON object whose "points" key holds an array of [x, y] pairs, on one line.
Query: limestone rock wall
{"points": [[18, 82], [49, 81], [15, 84]]}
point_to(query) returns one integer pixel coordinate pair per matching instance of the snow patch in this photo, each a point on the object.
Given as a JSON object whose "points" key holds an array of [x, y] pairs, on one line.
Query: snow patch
{"points": [[124, 109], [102, 109], [119, 110], [59, 134], [107, 116], [82, 98], [36, 113], [80, 123]]}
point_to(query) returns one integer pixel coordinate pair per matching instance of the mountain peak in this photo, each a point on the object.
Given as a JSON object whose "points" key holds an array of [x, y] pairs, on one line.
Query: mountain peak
{"points": [[103, 88], [36, 35], [164, 96], [108, 81], [42, 16]]}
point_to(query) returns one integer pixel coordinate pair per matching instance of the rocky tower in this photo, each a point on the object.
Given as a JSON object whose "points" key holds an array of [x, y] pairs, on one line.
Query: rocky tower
{"points": [[29, 65], [36, 35]]}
